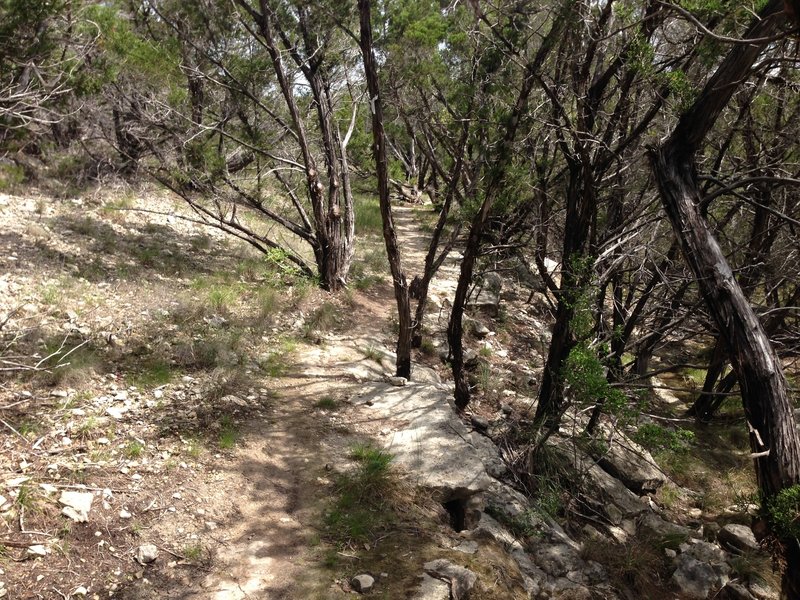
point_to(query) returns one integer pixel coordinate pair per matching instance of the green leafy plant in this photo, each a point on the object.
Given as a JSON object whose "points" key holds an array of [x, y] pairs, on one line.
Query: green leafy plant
{"points": [[654, 437], [784, 512]]}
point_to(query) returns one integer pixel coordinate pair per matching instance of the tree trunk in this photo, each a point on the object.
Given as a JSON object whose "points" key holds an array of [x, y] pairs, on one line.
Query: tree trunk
{"points": [[773, 434], [382, 168]]}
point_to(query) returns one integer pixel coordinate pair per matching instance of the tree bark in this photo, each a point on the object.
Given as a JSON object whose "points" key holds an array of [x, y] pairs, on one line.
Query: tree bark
{"points": [[381, 164], [773, 435]]}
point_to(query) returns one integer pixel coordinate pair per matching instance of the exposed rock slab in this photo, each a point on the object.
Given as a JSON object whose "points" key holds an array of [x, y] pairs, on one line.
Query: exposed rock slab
{"points": [[738, 537], [632, 465], [693, 578], [432, 589], [460, 579], [432, 444]]}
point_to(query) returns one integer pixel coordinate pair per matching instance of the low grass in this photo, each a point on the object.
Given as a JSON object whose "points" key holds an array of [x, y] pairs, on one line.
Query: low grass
{"points": [[228, 433], [639, 564], [361, 508], [326, 403], [368, 215], [372, 353], [322, 319]]}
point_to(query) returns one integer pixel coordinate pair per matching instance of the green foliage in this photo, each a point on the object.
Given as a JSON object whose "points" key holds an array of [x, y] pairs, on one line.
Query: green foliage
{"points": [[585, 375], [654, 437], [228, 433], [133, 449], [11, 176], [368, 215], [326, 403], [784, 512]]}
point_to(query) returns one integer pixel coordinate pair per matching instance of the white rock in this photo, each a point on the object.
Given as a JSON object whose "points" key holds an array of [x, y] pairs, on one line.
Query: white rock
{"points": [[146, 553], [398, 381], [362, 583], [80, 591], [124, 514], [76, 505], [38, 550]]}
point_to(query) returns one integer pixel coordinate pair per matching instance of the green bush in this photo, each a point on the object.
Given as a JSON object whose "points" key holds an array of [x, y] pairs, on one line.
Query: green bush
{"points": [[784, 512], [657, 438]]}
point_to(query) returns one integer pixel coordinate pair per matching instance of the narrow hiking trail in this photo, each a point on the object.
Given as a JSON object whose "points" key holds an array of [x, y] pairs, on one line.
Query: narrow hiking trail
{"points": [[212, 436], [283, 469]]}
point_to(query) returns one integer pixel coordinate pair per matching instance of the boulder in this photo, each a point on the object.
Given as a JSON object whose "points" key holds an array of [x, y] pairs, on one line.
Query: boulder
{"points": [[665, 533], [693, 578], [431, 441], [632, 465], [738, 538], [600, 491], [362, 583], [146, 554]]}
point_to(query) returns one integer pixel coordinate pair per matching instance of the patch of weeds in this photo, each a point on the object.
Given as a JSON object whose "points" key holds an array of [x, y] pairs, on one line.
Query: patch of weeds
{"points": [[29, 428], [147, 256], [323, 318], [366, 282], [224, 382], [194, 448], [193, 552], [750, 566], [26, 498], [276, 364], [200, 242], [637, 564], [228, 433], [152, 374], [133, 449], [372, 353], [523, 526], [70, 364], [269, 302], [427, 347], [368, 215], [87, 427], [669, 495], [51, 294], [361, 508], [326, 403], [11, 176], [657, 438], [485, 351]]}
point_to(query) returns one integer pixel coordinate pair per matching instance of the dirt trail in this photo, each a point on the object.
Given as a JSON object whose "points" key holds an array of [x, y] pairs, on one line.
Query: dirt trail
{"points": [[280, 473], [232, 518]]}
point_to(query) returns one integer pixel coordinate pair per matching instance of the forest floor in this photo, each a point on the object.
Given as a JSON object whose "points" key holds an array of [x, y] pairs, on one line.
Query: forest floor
{"points": [[202, 400], [206, 400]]}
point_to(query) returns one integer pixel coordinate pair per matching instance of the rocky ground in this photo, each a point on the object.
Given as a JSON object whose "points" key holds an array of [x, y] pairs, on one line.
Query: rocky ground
{"points": [[180, 419]]}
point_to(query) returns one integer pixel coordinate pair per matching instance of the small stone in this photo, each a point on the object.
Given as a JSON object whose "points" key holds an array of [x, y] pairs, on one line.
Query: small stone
{"points": [[80, 591], [115, 412], [103, 441], [146, 554], [76, 505], [506, 409], [398, 381], [38, 550], [362, 583], [480, 330], [58, 394], [670, 553], [121, 395], [210, 525], [124, 514], [177, 495], [695, 513], [158, 394]]}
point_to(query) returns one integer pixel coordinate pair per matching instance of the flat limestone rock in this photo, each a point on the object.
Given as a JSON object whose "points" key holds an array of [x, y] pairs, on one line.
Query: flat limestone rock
{"points": [[432, 589], [433, 442], [461, 579]]}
